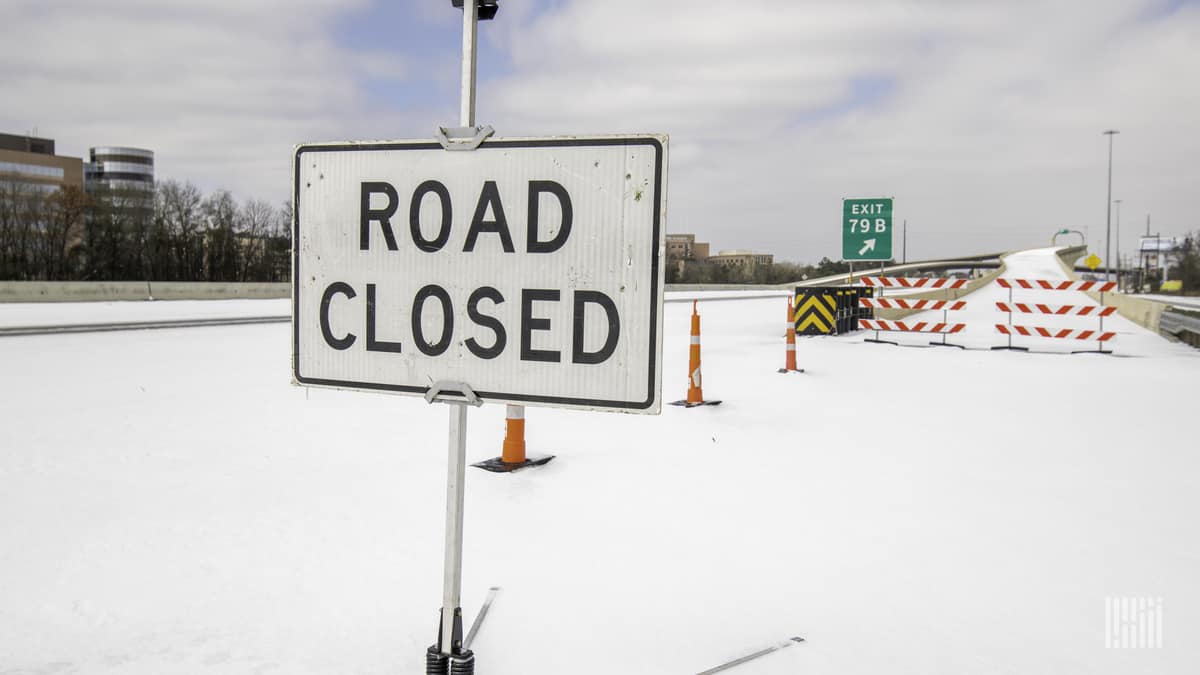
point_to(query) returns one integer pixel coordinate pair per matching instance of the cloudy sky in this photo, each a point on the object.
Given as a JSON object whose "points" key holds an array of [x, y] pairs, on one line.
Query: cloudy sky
{"points": [[982, 118]]}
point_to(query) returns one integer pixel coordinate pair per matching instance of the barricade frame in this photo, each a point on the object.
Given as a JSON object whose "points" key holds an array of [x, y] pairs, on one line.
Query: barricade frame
{"points": [[1051, 285]]}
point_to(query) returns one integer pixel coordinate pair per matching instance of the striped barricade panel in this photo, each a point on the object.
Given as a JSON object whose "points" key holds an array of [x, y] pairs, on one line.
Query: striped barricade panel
{"points": [[1056, 333], [911, 326], [1058, 310], [901, 303], [1055, 285], [916, 282]]}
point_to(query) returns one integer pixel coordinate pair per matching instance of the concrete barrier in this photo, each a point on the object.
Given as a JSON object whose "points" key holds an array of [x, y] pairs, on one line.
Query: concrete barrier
{"points": [[103, 291], [1145, 313]]}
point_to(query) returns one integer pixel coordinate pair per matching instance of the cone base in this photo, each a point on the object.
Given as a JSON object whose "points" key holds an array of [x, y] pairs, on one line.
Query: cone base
{"points": [[498, 465], [790, 370], [685, 404]]}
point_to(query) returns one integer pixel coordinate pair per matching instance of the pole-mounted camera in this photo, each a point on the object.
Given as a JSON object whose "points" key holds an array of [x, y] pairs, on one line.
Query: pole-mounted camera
{"points": [[487, 8]]}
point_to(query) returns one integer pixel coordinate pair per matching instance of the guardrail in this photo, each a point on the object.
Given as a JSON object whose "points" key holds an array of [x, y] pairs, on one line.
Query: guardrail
{"points": [[107, 291], [1185, 328], [14, 331]]}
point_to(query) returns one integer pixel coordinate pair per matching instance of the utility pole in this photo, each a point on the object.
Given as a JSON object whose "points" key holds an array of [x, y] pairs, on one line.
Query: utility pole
{"points": [[1108, 207], [1145, 260], [904, 243]]}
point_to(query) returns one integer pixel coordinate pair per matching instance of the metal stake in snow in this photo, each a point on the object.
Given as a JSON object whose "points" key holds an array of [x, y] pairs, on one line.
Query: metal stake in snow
{"points": [[450, 655]]}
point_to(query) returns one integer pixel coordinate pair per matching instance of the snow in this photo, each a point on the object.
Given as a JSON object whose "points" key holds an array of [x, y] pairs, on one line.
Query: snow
{"points": [[171, 504]]}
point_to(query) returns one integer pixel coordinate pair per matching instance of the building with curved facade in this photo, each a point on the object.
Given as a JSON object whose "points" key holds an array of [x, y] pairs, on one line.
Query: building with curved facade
{"points": [[119, 168]]}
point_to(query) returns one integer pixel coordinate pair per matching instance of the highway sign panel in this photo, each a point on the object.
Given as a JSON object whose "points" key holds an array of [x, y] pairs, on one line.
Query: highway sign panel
{"points": [[529, 270], [867, 229]]}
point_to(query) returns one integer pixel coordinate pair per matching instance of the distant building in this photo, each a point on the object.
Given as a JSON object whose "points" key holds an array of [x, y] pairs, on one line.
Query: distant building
{"points": [[685, 247], [29, 162], [120, 168], [1157, 254], [744, 260]]}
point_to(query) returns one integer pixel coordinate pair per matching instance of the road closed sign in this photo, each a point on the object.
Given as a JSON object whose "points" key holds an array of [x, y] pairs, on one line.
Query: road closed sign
{"points": [[529, 270]]}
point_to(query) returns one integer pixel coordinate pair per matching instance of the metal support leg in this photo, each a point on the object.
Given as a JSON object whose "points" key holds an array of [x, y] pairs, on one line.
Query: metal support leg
{"points": [[448, 655], [451, 635]]}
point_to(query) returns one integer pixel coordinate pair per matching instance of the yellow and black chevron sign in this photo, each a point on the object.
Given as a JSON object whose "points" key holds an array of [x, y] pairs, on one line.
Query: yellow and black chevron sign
{"points": [[815, 310]]}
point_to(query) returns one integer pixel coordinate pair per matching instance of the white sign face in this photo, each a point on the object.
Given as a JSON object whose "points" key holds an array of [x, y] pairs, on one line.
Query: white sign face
{"points": [[528, 269]]}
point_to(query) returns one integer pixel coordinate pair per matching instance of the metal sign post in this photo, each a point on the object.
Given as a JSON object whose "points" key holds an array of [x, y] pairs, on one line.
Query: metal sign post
{"points": [[449, 654]]}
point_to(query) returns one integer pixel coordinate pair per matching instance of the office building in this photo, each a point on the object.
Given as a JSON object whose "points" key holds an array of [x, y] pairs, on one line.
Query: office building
{"points": [[120, 168], [28, 162]]}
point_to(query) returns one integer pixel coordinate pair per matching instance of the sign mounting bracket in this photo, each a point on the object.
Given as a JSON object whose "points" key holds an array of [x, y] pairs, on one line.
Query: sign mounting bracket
{"points": [[463, 138], [456, 389]]}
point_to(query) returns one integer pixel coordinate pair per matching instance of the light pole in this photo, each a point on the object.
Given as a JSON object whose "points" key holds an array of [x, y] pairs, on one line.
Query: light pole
{"points": [[1108, 205], [1118, 203]]}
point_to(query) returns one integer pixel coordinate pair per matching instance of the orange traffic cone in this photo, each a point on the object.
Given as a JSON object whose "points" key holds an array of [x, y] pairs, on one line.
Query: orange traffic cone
{"points": [[512, 452], [789, 361], [695, 393]]}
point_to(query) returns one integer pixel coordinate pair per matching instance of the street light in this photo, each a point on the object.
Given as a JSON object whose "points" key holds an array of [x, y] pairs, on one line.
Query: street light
{"points": [[1118, 203], [1108, 205], [1065, 231]]}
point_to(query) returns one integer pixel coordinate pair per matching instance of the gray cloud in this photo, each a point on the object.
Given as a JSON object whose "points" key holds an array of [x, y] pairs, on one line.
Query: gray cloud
{"points": [[983, 119], [988, 134]]}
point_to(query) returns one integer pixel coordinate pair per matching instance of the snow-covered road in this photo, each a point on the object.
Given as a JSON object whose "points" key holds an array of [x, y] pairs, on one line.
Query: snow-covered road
{"points": [[169, 503]]}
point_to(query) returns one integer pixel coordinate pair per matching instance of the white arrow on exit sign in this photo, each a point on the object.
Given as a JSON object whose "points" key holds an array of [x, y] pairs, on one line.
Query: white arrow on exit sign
{"points": [[869, 245]]}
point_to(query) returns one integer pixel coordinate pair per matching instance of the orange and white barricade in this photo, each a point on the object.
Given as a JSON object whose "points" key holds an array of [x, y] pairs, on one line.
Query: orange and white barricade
{"points": [[1099, 335], [937, 328], [1057, 333], [944, 328], [927, 283]]}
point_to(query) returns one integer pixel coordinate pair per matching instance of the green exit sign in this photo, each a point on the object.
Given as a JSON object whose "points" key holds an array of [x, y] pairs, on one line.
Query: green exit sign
{"points": [[867, 229]]}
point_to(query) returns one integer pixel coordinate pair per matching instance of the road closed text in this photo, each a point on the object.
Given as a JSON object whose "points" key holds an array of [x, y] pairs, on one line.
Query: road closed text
{"points": [[379, 203]]}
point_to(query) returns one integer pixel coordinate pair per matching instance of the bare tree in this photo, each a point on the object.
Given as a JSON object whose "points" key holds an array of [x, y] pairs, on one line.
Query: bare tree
{"points": [[255, 221]]}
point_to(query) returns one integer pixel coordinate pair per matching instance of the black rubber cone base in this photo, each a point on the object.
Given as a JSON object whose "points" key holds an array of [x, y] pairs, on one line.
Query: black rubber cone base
{"points": [[497, 465], [685, 404], [1006, 348], [785, 370]]}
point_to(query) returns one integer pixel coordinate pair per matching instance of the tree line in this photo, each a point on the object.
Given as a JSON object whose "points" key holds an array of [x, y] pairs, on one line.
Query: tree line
{"points": [[1187, 270], [171, 233], [708, 272]]}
